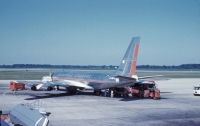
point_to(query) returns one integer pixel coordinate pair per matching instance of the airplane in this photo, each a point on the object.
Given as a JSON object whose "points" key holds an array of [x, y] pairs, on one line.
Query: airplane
{"points": [[124, 76]]}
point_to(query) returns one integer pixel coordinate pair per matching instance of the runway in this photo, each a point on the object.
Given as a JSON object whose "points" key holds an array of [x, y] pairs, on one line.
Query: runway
{"points": [[176, 107]]}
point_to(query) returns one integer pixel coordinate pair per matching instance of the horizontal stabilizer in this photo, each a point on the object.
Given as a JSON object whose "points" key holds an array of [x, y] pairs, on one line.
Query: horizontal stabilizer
{"points": [[147, 77], [125, 78]]}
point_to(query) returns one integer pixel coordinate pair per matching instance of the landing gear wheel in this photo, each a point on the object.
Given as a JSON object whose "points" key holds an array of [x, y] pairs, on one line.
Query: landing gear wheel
{"points": [[49, 88], [97, 92], [57, 87], [111, 93], [33, 88], [72, 90]]}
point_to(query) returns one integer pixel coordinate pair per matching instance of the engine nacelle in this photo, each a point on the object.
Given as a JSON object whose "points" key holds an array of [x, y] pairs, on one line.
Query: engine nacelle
{"points": [[49, 88], [46, 88], [37, 88], [33, 88]]}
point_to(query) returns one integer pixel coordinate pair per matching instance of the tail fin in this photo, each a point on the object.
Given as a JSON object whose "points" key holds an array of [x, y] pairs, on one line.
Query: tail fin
{"points": [[128, 64]]}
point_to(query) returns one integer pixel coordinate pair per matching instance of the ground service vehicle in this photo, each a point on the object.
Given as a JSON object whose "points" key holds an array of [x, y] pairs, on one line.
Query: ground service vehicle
{"points": [[14, 85], [196, 90], [145, 89]]}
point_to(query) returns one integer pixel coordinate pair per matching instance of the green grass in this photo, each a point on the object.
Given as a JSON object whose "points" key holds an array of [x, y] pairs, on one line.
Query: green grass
{"points": [[37, 74], [22, 75]]}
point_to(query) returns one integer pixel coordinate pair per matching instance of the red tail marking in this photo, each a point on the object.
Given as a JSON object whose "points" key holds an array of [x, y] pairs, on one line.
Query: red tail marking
{"points": [[134, 62]]}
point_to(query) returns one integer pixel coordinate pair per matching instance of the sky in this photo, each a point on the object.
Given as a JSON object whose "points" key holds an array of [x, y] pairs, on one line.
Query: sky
{"points": [[97, 32]]}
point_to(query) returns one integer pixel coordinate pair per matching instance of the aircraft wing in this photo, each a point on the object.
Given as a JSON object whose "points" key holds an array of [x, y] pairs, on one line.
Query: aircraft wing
{"points": [[73, 83]]}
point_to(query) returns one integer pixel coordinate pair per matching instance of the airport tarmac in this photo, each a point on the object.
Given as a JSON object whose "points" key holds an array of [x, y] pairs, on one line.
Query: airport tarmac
{"points": [[176, 107]]}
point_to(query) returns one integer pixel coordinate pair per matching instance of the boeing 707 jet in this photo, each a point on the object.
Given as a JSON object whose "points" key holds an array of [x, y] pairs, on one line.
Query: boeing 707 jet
{"points": [[124, 76]]}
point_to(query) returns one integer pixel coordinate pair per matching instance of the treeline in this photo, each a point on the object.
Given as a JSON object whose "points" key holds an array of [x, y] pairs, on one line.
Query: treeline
{"points": [[103, 67], [173, 67]]}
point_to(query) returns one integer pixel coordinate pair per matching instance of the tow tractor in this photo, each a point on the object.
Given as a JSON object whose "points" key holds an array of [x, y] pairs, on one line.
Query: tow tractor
{"points": [[14, 86], [196, 90], [145, 89]]}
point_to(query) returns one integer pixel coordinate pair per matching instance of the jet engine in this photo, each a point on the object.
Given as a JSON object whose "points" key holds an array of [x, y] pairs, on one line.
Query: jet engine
{"points": [[33, 88]]}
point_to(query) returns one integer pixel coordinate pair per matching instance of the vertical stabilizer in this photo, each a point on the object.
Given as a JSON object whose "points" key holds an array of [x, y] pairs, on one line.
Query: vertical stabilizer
{"points": [[129, 62]]}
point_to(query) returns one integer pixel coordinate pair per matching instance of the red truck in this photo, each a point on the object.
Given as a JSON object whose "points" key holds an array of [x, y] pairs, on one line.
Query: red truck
{"points": [[14, 86], [146, 89]]}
